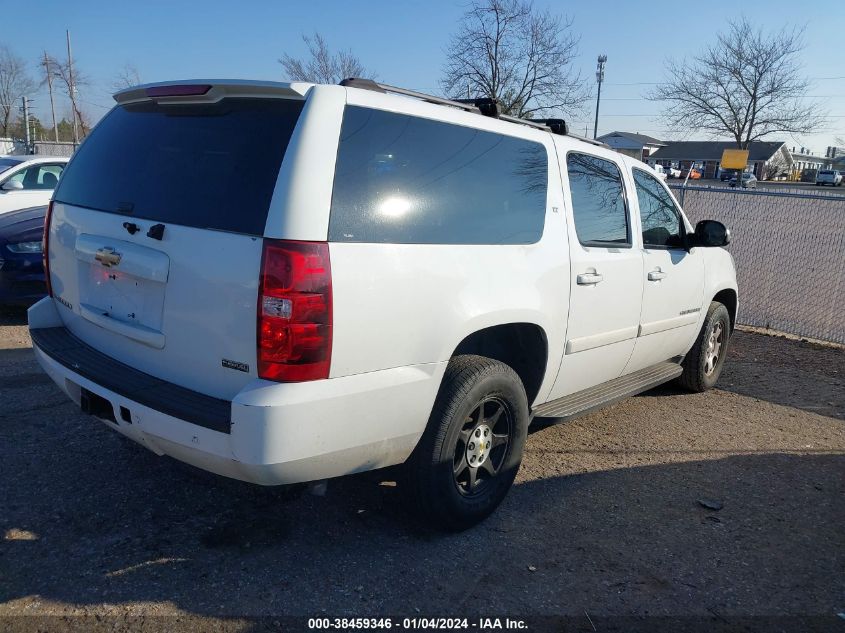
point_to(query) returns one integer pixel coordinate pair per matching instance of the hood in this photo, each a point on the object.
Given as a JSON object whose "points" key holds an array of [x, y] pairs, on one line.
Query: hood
{"points": [[26, 225]]}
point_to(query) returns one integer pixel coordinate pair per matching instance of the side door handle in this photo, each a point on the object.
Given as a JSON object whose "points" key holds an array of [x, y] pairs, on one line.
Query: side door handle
{"points": [[589, 279], [656, 275]]}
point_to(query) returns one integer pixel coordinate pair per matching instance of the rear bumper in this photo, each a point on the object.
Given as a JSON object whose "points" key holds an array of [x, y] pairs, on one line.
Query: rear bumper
{"points": [[270, 433]]}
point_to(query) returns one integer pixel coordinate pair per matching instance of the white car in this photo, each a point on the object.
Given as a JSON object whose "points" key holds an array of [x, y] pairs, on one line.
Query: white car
{"points": [[749, 181], [286, 283], [660, 171], [828, 177], [28, 181]]}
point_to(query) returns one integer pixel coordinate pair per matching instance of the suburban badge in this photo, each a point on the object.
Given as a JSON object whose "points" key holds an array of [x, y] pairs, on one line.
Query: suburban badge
{"points": [[233, 364]]}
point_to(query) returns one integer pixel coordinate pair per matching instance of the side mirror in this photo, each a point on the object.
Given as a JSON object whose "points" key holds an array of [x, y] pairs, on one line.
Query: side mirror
{"points": [[12, 185], [711, 233]]}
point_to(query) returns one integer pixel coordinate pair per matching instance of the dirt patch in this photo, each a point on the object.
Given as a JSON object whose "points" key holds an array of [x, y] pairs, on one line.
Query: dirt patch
{"points": [[604, 518]]}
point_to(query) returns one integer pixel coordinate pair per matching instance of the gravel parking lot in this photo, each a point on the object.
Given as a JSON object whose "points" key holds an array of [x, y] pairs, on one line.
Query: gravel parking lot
{"points": [[604, 520]]}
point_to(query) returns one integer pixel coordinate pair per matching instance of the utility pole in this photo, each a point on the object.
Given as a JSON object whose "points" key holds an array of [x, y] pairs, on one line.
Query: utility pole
{"points": [[599, 79], [26, 124], [49, 73], [72, 90]]}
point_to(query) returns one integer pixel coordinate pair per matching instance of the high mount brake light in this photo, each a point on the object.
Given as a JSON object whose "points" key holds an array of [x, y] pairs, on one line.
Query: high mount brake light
{"points": [[178, 90], [294, 311]]}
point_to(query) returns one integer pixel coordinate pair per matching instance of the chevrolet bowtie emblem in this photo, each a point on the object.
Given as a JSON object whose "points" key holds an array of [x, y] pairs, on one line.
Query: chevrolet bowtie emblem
{"points": [[107, 256]]}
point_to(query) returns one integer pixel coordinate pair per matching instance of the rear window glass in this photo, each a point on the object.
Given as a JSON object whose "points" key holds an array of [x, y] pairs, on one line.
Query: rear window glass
{"points": [[406, 180], [206, 166]]}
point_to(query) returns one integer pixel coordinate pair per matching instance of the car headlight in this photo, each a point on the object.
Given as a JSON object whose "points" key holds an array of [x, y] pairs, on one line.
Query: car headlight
{"points": [[25, 247]]}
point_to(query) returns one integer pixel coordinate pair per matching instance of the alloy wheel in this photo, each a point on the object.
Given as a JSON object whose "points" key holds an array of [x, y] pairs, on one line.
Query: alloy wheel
{"points": [[482, 446], [714, 348]]}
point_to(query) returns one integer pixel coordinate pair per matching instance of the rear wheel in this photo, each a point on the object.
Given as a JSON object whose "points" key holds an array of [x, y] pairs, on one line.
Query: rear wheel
{"points": [[471, 450], [703, 364]]}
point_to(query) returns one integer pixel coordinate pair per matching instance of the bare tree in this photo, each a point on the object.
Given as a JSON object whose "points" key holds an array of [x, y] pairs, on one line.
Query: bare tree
{"points": [[47, 79], [127, 77], [777, 166], [15, 83], [71, 85], [508, 51], [749, 84], [322, 66]]}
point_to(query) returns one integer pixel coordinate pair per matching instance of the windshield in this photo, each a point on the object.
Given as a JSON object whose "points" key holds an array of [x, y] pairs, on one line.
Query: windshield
{"points": [[8, 163]]}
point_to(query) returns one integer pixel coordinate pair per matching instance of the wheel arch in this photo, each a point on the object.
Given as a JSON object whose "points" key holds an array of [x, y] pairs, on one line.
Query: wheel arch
{"points": [[728, 298], [523, 346]]}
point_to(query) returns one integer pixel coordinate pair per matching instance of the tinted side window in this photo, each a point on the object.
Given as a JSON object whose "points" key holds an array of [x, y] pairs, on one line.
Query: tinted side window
{"points": [[48, 176], [406, 180], [660, 218], [598, 200]]}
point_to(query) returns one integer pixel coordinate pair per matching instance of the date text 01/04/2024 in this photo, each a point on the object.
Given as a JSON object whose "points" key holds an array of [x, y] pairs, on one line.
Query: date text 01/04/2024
{"points": [[418, 623]]}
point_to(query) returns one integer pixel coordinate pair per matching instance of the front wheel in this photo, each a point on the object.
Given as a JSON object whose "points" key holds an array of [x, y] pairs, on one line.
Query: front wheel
{"points": [[472, 448], [703, 364]]}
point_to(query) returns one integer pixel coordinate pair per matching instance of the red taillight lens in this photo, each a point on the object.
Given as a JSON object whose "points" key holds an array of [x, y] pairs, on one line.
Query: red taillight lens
{"points": [[45, 246], [294, 311]]}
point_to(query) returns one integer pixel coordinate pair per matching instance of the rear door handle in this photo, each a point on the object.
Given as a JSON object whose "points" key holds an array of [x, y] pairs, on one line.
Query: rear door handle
{"points": [[656, 275], [589, 279]]}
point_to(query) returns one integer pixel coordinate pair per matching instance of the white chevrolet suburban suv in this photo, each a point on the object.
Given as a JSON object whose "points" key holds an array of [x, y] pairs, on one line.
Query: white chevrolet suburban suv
{"points": [[286, 283]]}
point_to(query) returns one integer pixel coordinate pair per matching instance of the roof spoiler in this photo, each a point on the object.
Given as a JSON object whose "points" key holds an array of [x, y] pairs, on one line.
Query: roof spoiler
{"points": [[209, 91]]}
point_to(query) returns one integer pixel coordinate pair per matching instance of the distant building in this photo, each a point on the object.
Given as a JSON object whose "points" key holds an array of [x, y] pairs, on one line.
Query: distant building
{"points": [[637, 146], [804, 159], [766, 159]]}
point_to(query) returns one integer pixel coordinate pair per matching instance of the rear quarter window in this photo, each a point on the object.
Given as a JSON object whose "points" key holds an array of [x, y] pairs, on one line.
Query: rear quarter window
{"points": [[207, 166], [407, 180]]}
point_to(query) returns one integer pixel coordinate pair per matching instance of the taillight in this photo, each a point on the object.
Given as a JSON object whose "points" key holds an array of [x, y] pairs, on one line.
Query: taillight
{"points": [[294, 311], [45, 246]]}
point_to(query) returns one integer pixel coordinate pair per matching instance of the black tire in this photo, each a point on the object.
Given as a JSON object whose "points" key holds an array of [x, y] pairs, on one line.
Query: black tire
{"points": [[447, 492], [701, 371]]}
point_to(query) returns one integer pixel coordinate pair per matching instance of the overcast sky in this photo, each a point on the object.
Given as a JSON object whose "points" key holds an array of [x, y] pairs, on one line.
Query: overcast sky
{"points": [[404, 42]]}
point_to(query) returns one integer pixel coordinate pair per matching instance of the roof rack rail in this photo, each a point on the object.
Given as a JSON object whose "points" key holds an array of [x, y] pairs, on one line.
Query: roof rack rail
{"points": [[482, 105], [369, 84]]}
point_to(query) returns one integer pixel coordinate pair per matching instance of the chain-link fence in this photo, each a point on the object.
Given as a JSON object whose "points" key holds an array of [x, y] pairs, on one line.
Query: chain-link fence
{"points": [[790, 256], [44, 148], [51, 148]]}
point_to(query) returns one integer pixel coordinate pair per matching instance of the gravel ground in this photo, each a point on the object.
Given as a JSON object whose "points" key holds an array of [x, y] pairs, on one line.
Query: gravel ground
{"points": [[604, 519]]}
